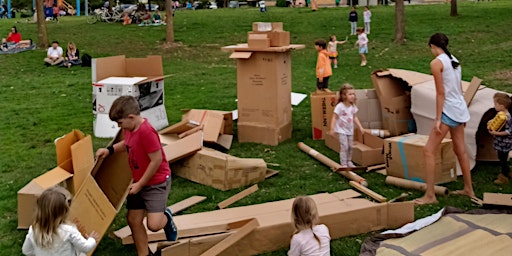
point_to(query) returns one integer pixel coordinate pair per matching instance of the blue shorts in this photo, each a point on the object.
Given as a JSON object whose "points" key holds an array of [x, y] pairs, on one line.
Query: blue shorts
{"points": [[363, 49], [448, 121]]}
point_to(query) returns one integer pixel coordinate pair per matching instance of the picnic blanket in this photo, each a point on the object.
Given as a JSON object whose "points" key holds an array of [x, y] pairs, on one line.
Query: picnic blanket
{"points": [[449, 232], [17, 49]]}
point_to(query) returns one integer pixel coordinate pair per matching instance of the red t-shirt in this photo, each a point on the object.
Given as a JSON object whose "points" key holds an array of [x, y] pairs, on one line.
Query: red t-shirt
{"points": [[139, 144], [14, 37]]}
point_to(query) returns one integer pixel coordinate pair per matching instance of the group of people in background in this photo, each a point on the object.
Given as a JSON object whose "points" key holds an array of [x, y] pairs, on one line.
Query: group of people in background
{"points": [[14, 40], [55, 55]]}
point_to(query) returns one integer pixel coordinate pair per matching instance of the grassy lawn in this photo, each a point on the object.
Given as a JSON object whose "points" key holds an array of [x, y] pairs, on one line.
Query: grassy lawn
{"points": [[40, 104]]}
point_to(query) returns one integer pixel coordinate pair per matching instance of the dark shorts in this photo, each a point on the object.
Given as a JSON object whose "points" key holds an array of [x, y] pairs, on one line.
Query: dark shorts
{"points": [[324, 84], [151, 198]]}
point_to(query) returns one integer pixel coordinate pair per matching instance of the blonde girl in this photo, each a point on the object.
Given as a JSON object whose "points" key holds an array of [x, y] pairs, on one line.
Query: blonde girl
{"points": [[49, 234], [332, 49], [342, 123], [309, 238], [72, 55]]}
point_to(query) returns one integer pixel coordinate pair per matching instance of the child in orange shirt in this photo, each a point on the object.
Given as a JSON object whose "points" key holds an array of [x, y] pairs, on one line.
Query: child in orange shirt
{"points": [[323, 66]]}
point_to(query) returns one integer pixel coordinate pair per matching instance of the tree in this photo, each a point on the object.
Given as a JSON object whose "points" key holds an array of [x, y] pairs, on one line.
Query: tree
{"points": [[169, 30], [399, 22], [42, 35], [453, 9]]}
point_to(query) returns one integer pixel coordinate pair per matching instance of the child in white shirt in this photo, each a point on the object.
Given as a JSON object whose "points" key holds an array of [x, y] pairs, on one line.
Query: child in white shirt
{"points": [[367, 19]]}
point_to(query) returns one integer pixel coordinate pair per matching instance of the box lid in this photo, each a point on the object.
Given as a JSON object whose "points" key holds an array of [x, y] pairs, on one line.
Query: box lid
{"points": [[240, 55]]}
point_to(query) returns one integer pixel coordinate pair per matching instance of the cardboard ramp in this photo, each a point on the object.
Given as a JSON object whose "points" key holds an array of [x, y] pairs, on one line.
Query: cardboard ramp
{"points": [[449, 232], [340, 211]]}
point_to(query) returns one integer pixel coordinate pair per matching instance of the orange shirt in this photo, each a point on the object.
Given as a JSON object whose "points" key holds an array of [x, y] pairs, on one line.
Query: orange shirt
{"points": [[323, 65]]}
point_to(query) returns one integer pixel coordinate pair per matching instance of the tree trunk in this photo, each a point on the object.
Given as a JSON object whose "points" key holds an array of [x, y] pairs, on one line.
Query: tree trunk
{"points": [[169, 30], [42, 35], [399, 22], [453, 9]]}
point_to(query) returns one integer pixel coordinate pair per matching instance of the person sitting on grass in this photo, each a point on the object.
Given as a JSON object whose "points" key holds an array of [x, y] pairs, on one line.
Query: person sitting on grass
{"points": [[157, 19], [146, 18], [126, 19], [72, 56], [54, 55], [13, 40]]}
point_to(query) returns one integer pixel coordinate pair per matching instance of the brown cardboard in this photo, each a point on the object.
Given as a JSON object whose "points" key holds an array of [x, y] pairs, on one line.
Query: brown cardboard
{"points": [[349, 216], [232, 239], [74, 159], [252, 132], [276, 38], [214, 122], [267, 26], [404, 158], [102, 194], [366, 151], [497, 199], [322, 107], [219, 170], [369, 113], [238, 196], [176, 149], [258, 41]]}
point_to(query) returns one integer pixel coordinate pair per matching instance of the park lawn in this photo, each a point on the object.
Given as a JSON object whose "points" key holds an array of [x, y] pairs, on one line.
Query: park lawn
{"points": [[40, 104]]}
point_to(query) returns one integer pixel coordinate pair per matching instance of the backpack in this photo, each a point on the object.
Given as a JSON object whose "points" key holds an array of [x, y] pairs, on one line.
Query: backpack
{"points": [[86, 60]]}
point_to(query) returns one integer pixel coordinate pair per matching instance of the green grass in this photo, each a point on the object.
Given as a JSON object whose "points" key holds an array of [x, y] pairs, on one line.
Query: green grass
{"points": [[40, 104]]}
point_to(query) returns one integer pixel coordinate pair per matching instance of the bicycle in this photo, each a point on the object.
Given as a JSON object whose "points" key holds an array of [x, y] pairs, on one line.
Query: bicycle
{"points": [[103, 15]]}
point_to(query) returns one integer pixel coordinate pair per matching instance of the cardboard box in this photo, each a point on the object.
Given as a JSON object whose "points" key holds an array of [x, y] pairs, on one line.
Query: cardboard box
{"points": [[404, 158], [258, 41], [74, 162], [253, 132], [116, 76], [219, 170], [101, 194], [267, 26], [276, 38], [322, 108], [369, 113], [367, 149], [344, 216]]}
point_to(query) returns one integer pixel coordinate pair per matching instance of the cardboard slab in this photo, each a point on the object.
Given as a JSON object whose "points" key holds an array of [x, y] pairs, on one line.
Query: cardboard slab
{"points": [[345, 217], [232, 239], [322, 107], [219, 170], [497, 199], [176, 149], [237, 197], [74, 162], [404, 158]]}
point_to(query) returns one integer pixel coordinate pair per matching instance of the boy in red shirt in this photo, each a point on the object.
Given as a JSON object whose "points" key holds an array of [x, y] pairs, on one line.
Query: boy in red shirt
{"points": [[150, 171], [323, 66]]}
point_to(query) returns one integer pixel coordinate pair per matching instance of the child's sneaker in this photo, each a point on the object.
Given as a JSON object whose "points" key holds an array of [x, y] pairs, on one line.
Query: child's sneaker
{"points": [[363, 63], [171, 232], [501, 180], [350, 164], [335, 66]]}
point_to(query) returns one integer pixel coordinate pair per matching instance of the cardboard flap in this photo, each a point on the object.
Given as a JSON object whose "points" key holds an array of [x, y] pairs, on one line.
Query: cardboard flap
{"points": [[83, 160], [153, 78], [183, 147], [52, 178], [63, 148], [212, 126], [149, 66], [498, 199], [240, 55], [120, 80], [411, 77], [182, 126], [470, 92], [109, 66]]}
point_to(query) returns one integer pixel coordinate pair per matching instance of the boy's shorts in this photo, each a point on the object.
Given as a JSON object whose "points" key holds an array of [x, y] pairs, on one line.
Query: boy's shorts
{"points": [[324, 84], [363, 49], [151, 198], [448, 121]]}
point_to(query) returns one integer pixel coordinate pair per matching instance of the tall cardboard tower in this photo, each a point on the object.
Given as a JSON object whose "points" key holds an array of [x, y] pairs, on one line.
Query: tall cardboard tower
{"points": [[264, 84]]}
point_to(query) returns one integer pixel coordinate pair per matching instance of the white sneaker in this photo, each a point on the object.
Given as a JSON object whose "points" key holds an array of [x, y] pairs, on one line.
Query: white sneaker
{"points": [[335, 66], [363, 63], [350, 164]]}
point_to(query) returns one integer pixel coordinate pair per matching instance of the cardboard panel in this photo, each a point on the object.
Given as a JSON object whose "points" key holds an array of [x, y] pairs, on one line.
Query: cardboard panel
{"points": [[176, 149], [107, 67], [322, 108], [251, 132], [150, 66]]}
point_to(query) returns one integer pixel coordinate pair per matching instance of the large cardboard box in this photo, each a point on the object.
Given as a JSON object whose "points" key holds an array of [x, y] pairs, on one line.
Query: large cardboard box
{"points": [[116, 76], [369, 113], [404, 158], [322, 107], [275, 38], [74, 162], [367, 149], [263, 90], [101, 194], [219, 170]]}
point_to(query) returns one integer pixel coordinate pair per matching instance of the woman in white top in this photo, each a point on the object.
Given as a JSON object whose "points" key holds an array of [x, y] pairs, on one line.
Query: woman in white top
{"points": [[451, 115], [309, 239], [49, 235]]}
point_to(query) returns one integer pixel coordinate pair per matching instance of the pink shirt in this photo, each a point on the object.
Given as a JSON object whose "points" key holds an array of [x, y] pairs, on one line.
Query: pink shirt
{"points": [[139, 144]]}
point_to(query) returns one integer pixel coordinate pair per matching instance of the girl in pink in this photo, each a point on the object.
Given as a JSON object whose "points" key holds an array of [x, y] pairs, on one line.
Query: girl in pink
{"points": [[342, 123]]}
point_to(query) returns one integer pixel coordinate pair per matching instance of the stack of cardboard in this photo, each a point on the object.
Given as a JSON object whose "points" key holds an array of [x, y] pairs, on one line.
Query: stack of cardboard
{"points": [[99, 188], [264, 84], [183, 144], [268, 226], [117, 76]]}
